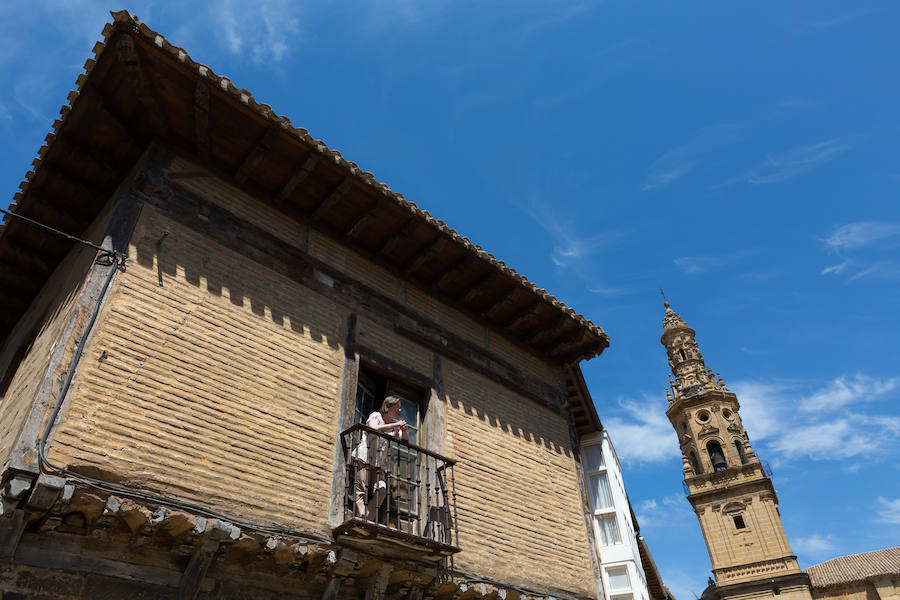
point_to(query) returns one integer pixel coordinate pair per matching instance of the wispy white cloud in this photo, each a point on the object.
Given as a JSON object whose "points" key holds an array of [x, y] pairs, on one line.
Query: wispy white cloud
{"points": [[815, 545], [888, 511], [837, 269], [693, 265], [644, 434], [860, 234], [680, 161], [844, 390], [788, 423], [855, 238], [786, 165], [880, 270], [669, 511], [262, 31]]}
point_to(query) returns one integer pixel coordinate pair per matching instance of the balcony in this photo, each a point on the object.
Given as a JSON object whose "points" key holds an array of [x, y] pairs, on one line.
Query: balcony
{"points": [[399, 498]]}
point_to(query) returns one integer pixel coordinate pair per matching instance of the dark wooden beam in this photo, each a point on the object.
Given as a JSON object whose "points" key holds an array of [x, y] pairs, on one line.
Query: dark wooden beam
{"points": [[74, 154], [429, 252], [120, 127], [453, 271], [398, 237], [28, 259], [76, 191], [476, 288], [503, 301], [42, 210], [572, 340], [550, 332], [201, 118], [339, 192], [297, 178], [257, 153], [528, 314], [364, 219], [127, 53]]}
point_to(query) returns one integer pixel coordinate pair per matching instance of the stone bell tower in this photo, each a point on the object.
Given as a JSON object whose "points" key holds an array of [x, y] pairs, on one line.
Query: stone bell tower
{"points": [[728, 487]]}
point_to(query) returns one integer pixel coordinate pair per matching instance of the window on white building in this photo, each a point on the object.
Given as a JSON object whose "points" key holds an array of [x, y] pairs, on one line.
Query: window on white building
{"points": [[606, 525], [608, 529], [617, 580]]}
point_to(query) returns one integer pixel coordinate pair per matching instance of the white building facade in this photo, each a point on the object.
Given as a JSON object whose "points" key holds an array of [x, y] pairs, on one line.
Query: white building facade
{"points": [[614, 525]]}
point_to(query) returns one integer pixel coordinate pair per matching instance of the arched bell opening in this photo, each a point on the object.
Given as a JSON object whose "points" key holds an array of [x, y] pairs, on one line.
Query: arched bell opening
{"points": [[716, 455]]}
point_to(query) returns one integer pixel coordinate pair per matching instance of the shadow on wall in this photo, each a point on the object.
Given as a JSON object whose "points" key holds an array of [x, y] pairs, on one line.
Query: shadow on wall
{"points": [[516, 416], [174, 251]]}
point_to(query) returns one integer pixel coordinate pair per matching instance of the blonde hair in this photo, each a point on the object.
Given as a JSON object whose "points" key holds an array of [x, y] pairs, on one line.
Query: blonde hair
{"points": [[389, 401]]}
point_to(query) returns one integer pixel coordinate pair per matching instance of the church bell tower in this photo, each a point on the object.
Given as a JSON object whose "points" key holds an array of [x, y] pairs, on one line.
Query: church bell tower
{"points": [[728, 487]]}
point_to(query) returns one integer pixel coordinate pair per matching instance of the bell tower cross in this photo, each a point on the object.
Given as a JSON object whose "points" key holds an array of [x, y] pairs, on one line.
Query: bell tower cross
{"points": [[729, 489]]}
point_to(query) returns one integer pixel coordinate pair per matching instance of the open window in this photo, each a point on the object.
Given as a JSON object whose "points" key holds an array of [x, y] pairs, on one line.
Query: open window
{"points": [[398, 494]]}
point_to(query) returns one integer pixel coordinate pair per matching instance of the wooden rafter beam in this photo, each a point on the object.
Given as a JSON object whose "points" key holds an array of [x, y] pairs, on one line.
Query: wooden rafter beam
{"points": [[42, 210], [528, 314], [503, 302], [429, 252], [68, 150], [28, 258], [201, 118], [122, 129], [363, 220], [573, 339], [75, 191], [476, 289], [339, 192], [453, 271], [297, 178], [256, 154], [398, 237], [127, 53], [549, 332]]}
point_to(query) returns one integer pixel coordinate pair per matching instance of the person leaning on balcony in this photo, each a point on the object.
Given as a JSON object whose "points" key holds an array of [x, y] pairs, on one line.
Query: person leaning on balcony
{"points": [[372, 456]]}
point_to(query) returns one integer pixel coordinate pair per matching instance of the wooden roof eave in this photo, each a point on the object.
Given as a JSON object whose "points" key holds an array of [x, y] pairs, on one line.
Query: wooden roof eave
{"points": [[351, 203]]}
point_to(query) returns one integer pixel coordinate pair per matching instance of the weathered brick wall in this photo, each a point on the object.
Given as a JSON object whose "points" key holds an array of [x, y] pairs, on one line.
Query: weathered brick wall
{"points": [[520, 510], [48, 315], [216, 380], [210, 379]]}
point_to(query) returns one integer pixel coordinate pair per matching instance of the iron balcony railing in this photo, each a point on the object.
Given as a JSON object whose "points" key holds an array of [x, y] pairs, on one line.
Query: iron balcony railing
{"points": [[393, 484]]}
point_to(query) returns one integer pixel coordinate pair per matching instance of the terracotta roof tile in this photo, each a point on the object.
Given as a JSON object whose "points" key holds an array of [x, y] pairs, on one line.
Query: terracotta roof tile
{"points": [[855, 567]]}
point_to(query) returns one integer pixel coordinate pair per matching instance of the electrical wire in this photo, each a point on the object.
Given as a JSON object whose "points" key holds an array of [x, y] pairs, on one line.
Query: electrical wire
{"points": [[62, 234]]}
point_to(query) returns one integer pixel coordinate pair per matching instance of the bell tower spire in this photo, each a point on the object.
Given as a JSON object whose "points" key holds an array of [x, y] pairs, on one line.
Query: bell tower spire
{"points": [[729, 489]]}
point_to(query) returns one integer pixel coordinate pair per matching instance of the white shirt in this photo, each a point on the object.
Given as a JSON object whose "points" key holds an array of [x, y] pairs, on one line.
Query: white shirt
{"points": [[380, 444]]}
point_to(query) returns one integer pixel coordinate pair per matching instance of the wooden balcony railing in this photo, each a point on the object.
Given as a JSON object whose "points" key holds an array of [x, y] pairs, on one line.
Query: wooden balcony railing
{"points": [[395, 490]]}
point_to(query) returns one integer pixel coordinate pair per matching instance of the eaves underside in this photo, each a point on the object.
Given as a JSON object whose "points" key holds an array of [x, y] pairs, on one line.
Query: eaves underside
{"points": [[139, 89]]}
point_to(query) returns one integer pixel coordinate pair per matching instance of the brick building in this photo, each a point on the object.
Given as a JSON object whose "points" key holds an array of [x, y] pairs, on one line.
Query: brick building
{"points": [[180, 405]]}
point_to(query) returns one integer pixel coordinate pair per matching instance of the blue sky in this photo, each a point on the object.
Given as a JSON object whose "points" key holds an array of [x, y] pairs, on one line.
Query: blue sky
{"points": [[744, 157]]}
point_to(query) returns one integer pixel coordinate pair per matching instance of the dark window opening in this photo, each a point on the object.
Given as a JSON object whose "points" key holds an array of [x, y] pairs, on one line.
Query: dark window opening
{"points": [[683, 355], [739, 522], [716, 456], [695, 464], [372, 388], [740, 450]]}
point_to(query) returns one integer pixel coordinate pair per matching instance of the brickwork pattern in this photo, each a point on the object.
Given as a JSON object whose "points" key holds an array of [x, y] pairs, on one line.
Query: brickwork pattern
{"points": [[195, 390], [520, 511], [48, 315]]}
